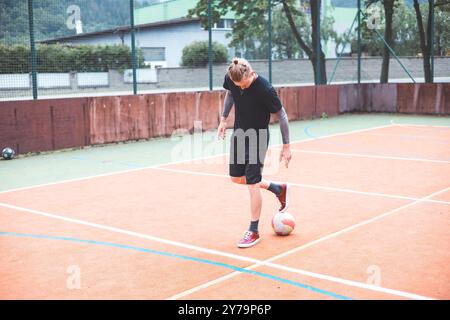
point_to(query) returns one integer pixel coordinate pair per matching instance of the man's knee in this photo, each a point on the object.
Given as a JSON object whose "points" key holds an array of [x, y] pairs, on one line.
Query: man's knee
{"points": [[253, 187], [238, 180]]}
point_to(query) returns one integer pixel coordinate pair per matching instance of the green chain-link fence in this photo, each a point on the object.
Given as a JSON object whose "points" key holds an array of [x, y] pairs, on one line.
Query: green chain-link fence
{"points": [[102, 47]]}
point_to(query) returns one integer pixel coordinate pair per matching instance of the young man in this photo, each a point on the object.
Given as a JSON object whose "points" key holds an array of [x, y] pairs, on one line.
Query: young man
{"points": [[255, 99]]}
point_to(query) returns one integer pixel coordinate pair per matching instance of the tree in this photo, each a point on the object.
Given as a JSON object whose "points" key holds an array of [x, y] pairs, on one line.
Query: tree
{"points": [[425, 43], [442, 29], [196, 54], [285, 45], [388, 35], [425, 36], [405, 38], [50, 18], [254, 39], [251, 17], [410, 38]]}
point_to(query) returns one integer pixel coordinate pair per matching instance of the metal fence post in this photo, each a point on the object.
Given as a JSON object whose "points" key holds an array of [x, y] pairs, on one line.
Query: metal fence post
{"points": [[133, 47], [270, 38], [318, 55], [359, 41], [210, 51], [432, 41], [33, 49]]}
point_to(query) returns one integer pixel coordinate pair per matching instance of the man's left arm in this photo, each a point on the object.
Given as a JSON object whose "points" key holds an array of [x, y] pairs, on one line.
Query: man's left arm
{"points": [[284, 127], [275, 106]]}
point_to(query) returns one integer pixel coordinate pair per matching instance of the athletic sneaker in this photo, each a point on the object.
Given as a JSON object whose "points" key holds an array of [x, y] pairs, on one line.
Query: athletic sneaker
{"points": [[250, 239], [284, 197]]}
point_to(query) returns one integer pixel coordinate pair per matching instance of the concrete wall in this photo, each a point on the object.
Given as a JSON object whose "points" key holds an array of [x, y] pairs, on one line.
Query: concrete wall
{"points": [[32, 126], [423, 99], [368, 98]]}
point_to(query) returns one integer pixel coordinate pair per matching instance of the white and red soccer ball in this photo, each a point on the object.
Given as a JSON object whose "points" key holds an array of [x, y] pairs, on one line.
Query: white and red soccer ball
{"points": [[283, 223]]}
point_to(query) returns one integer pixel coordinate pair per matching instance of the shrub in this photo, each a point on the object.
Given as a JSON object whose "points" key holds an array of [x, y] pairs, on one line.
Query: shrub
{"points": [[196, 54], [63, 58]]}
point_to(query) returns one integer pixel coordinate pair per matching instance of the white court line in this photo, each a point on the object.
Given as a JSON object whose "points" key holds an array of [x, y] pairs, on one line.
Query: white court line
{"points": [[369, 156], [418, 125], [225, 254], [182, 161], [307, 245], [411, 137], [309, 186]]}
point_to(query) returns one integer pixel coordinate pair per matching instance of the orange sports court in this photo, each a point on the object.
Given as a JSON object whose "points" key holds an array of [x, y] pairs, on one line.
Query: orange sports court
{"points": [[115, 176], [371, 207]]}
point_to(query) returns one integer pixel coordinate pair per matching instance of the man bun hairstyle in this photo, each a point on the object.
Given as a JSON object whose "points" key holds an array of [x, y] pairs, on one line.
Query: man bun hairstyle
{"points": [[239, 69]]}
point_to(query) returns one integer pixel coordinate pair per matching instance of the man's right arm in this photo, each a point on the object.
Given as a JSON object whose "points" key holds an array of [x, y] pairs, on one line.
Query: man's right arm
{"points": [[227, 105]]}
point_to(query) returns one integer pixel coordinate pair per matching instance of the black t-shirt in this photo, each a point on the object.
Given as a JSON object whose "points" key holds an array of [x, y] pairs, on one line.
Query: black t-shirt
{"points": [[253, 105]]}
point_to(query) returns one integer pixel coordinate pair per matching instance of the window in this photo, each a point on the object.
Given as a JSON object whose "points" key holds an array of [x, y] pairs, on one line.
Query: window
{"points": [[154, 54], [224, 24]]}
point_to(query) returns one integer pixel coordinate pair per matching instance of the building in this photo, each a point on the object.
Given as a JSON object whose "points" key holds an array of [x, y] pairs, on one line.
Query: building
{"points": [[343, 14], [162, 31]]}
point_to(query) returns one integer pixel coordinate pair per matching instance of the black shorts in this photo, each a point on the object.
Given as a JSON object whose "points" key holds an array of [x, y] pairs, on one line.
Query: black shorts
{"points": [[247, 159]]}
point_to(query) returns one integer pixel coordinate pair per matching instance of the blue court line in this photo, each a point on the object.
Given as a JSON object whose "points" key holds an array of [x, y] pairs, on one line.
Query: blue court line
{"points": [[173, 255], [308, 134]]}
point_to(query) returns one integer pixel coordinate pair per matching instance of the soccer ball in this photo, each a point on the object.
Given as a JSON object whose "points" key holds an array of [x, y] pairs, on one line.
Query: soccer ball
{"points": [[8, 153], [283, 223]]}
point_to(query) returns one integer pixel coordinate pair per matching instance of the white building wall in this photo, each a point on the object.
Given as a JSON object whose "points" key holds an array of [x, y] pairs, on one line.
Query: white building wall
{"points": [[174, 38], [97, 39]]}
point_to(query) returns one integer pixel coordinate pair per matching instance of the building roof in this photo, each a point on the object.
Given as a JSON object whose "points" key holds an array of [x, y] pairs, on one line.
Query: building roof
{"points": [[124, 29]]}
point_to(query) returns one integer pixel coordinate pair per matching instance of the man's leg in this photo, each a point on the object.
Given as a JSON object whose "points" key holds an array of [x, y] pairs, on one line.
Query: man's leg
{"points": [[252, 179], [238, 180], [251, 237], [281, 191], [273, 187], [255, 201]]}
